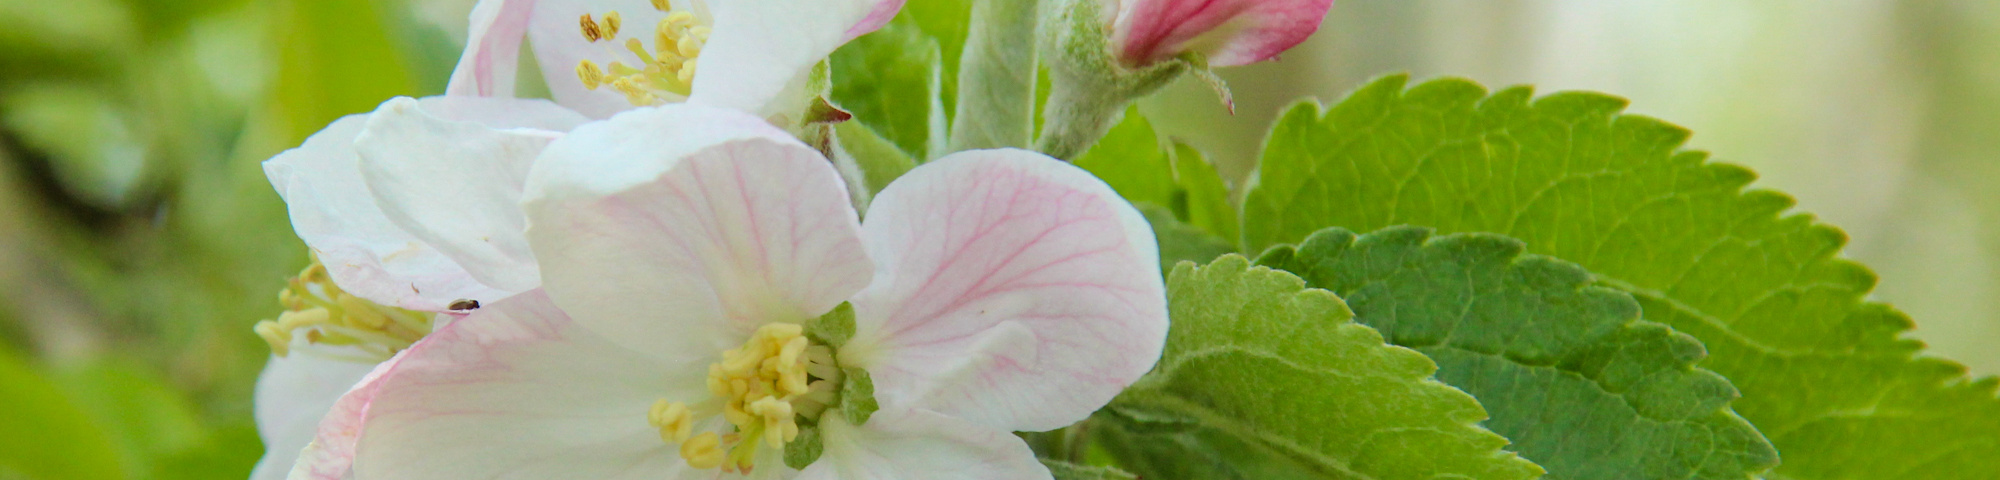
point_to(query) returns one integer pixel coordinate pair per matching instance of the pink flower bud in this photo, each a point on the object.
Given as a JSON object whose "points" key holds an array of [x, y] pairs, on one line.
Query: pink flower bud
{"points": [[1227, 32]]}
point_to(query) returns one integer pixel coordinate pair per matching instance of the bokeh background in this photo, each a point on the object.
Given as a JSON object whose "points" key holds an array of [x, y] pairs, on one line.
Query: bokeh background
{"points": [[139, 240]]}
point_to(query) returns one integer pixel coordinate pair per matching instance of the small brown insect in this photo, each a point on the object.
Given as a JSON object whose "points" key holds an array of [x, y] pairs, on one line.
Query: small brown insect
{"points": [[464, 304]]}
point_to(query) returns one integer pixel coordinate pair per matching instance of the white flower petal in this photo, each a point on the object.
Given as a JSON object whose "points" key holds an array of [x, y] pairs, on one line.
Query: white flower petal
{"points": [[364, 252], [492, 49], [761, 52], [683, 228], [516, 390], [557, 38], [456, 185], [293, 394], [1012, 290], [918, 444]]}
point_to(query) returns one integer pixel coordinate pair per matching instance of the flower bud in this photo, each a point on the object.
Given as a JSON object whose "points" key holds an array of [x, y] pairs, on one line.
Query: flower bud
{"points": [[1103, 54], [1225, 32]]}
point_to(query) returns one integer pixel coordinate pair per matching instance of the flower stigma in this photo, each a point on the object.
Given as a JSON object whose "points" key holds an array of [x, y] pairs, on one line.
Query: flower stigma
{"points": [[327, 315], [662, 75], [776, 378]]}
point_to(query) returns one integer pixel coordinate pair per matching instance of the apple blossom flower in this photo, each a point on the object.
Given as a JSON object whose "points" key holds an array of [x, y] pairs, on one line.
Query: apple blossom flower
{"points": [[698, 264], [412, 212], [600, 57], [1224, 32]]}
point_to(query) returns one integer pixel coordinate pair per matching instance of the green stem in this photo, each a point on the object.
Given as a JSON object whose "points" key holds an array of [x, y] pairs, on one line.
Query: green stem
{"points": [[996, 77], [1076, 117]]}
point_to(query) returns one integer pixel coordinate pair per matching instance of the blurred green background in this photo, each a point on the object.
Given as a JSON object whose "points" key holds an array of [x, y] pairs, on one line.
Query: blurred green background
{"points": [[139, 240]]}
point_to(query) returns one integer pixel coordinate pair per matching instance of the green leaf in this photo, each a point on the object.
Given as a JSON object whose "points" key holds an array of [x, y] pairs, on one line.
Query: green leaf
{"points": [[44, 435], [890, 80], [1131, 160], [1062, 470], [1569, 372], [1203, 199], [948, 22], [1179, 241], [1256, 355], [1823, 372], [1135, 163], [869, 158]]}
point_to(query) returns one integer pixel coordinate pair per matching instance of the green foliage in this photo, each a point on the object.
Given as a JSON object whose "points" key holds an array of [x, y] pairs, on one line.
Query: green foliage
{"points": [[1256, 355], [948, 22], [1823, 372], [868, 159], [1132, 160], [45, 435], [1180, 242], [1129, 158], [1567, 369], [891, 80], [1069, 471]]}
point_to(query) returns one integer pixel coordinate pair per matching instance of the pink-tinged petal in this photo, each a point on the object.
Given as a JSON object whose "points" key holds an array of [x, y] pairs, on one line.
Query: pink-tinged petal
{"points": [[559, 44], [330, 453], [293, 394], [517, 390], [1012, 290], [918, 444], [456, 185], [1228, 32], [761, 52], [683, 228], [366, 254], [885, 10], [492, 49]]}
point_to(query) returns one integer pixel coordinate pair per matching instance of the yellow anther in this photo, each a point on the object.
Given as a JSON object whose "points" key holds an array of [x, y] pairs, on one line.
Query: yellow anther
{"points": [[591, 32], [591, 75], [703, 451], [764, 387], [688, 46], [679, 19], [662, 5], [359, 315], [611, 23], [675, 421], [687, 72], [778, 425], [324, 314], [279, 338]]}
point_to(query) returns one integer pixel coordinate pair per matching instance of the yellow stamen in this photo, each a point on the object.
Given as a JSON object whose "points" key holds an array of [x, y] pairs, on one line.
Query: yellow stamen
{"points": [[324, 314], [611, 23], [591, 32], [703, 451], [765, 387], [662, 5], [675, 421], [591, 75]]}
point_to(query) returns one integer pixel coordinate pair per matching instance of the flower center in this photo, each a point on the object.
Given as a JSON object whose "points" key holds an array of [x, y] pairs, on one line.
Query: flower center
{"points": [[326, 315], [778, 375], [663, 74]]}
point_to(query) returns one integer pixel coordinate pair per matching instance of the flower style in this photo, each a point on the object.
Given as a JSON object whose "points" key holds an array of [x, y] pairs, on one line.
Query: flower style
{"points": [[600, 57], [412, 212], [1225, 32], [696, 263]]}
